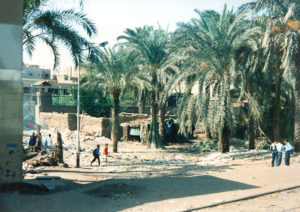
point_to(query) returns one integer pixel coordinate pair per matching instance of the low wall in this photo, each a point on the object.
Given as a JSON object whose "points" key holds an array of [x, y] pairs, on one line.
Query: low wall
{"points": [[100, 126], [58, 109]]}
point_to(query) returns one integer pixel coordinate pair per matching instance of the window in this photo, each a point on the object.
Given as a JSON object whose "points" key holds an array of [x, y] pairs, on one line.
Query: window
{"points": [[54, 77], [26, 90], [65, 92], [47, 76], [30, 74], [66, 77]]}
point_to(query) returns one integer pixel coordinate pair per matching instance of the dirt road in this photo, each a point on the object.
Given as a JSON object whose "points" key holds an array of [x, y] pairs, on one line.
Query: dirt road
{"points": [[137, 179]]}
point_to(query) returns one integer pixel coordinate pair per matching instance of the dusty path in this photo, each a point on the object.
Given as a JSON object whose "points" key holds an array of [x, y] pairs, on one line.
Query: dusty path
{"points": [[169, 180]]}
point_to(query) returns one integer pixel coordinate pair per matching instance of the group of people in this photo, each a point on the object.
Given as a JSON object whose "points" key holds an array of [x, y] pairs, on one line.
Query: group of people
{"points": [[277, 149], [47, 144], [96, 154]]}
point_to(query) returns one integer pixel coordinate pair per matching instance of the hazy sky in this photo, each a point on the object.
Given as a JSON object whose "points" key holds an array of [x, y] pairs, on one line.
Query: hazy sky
{"points": [[113, 16]]}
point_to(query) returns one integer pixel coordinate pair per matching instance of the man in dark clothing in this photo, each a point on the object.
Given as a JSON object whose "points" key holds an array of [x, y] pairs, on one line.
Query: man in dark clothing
{"points": [[96, 154], [32, 139], [273, 149]]}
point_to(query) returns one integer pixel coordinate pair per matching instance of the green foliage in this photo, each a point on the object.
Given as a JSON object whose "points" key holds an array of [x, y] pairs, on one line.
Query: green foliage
{"points": [[53, 27], [64, 100], [93, 101], [212, 42]]}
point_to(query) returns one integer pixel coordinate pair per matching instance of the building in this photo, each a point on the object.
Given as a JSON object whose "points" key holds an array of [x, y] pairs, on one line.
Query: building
{"points": [[60, 79], [45, 90]]}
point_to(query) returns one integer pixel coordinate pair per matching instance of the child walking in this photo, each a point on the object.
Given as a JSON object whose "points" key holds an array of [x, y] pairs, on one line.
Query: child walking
{"points": [[105, 152], [96, 154]]}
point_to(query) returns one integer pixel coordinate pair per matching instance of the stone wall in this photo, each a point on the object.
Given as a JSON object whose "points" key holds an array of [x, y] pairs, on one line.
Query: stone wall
{"points": [[100, 126], [64, 121]]}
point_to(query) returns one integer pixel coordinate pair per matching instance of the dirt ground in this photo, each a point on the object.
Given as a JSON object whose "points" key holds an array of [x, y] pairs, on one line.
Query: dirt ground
{"points": [[174, 179]]}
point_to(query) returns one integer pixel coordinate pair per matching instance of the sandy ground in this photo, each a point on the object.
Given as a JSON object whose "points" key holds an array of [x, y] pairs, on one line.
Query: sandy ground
{"points": [[137, 179]]}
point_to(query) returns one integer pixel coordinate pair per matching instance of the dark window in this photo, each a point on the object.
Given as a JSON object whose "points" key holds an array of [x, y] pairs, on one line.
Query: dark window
{"points": [[47, 76], [66, 77], [55, 77], [26, 90], [65, 91], [30, 74]]}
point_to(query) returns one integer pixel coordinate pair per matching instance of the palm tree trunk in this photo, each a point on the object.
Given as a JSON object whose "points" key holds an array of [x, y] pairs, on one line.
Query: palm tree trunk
{"points": [[142, 103], [297, 106], [154, 140], [251, 132], [162, 117], [223, 139], [276, 120], [251, 129], [115, 122]]}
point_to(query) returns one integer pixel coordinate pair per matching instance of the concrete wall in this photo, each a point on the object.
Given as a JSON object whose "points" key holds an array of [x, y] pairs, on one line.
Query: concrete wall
{"points": [[11, 91]]}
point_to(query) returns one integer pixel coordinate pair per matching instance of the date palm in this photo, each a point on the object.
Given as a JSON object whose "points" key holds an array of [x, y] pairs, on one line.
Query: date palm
{"points": [[214, 42], [52, 27], [284, 30], [152, 45], [112, 71]]}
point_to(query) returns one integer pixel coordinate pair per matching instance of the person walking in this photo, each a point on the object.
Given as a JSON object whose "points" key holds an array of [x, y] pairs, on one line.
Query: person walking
{"points": [[279, 148], [105, 152], [288, 150], [96, 154], [273, 149]]}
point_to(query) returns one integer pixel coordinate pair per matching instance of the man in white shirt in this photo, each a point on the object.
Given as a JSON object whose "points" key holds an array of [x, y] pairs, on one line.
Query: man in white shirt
{"points": [[279, 148], [288, 150], [48, 143]]}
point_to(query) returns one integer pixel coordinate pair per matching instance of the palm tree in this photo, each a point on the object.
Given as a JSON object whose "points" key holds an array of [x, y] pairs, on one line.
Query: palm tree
{"points": [[152, 46], [112, 71], [56, 26], [284, 28], [214, 42]]}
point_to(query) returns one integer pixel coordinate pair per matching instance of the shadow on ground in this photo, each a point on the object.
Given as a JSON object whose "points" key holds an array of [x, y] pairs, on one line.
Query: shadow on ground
{"points": [[120, 194]]}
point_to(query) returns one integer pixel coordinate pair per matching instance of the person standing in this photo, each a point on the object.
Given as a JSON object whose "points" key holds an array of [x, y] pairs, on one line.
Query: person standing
{"points": [[96, 154], [105, 152], [273, 149], [288, 150], [32, 139], [48, 143], [279, 148]]}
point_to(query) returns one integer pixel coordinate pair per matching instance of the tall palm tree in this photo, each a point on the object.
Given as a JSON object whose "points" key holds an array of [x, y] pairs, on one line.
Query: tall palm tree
{"points": [[214, 42], [112, 71], [284, 26], [56, 26], [152, 46]]}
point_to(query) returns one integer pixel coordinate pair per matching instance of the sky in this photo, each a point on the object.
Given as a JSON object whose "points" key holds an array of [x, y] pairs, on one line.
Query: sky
{"points": [[112, 17]]}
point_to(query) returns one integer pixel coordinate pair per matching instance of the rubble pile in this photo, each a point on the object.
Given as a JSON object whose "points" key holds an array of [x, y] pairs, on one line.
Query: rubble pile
{"points": [[204, 146], [241, 154], [41, 159], [235, 145], [84, 136]]}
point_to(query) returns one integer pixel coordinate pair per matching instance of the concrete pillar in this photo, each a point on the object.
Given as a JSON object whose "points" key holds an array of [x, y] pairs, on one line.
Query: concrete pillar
{"points": [[11, 91]]}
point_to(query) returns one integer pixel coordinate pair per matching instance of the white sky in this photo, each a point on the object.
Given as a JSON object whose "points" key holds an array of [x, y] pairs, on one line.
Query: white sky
{"points": [[113, 16]]}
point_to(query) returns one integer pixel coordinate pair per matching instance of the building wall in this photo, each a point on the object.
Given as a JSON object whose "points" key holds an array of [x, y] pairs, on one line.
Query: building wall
{"points": [[11, 91], [35, 72]]}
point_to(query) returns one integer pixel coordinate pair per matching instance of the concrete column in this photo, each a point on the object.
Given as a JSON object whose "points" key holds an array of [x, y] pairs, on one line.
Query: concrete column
{"points": [[11, 91]]}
